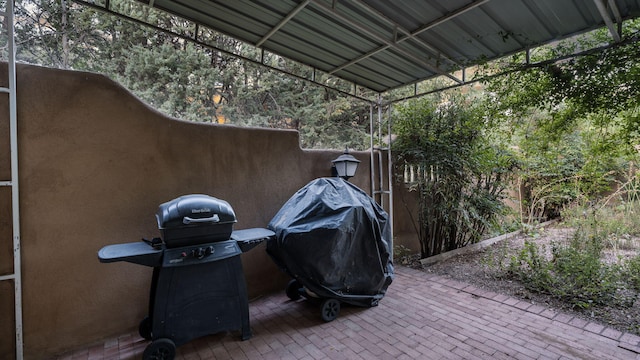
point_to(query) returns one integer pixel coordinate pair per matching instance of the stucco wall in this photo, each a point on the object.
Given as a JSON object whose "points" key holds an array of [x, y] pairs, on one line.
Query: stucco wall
{"points": [[405, 224], [95, 163]]}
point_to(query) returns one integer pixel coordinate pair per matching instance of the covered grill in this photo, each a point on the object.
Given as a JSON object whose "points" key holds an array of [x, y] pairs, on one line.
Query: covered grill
{"points": [[335, 242], [198, 286]]}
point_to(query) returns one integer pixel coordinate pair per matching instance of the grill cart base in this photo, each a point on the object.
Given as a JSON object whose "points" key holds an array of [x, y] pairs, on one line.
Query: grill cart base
{"points": [[187, 302], [329, 307], [195, 290], [330, 302]]}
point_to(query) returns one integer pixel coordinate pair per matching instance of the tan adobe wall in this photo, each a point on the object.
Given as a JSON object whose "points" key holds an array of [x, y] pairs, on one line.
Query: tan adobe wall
{"points": [[95, 163]]}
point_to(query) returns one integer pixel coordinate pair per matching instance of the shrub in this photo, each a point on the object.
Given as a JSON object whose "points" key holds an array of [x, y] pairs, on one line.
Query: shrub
{"points": [[631, 272], [575, 272], [460, 176]]}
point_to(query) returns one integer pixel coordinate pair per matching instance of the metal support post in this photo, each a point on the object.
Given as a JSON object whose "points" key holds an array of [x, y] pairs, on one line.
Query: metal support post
{"points": [[16, 276]]}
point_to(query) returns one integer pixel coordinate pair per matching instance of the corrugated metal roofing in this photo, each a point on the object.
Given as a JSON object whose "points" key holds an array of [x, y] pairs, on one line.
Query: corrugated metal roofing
{"points": [[383, 44]]}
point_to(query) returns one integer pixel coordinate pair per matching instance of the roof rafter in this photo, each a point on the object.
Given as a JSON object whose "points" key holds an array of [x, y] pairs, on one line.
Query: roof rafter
{"points": [[413, 35], [283, 22], [408, 35], [388, 43]]}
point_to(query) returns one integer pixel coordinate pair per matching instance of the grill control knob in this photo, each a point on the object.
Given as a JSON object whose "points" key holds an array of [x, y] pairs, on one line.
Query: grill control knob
{"points": [[200, 253], [209, 250]]}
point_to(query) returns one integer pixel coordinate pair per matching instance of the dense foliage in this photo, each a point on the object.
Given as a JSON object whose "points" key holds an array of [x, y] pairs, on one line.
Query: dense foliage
{"points": [[570, 122], [461, 176], [575, 125], [574, 121]]}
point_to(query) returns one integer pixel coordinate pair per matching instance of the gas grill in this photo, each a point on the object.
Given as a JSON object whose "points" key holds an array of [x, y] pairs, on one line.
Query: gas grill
{"points": [[198, 286]]}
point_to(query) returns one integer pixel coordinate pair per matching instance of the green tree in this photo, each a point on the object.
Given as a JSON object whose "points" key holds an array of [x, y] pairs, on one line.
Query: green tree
{"points": [[461, 174], [574, 121], [178, 81], [53, 32], [324, 118], [602, 80]]}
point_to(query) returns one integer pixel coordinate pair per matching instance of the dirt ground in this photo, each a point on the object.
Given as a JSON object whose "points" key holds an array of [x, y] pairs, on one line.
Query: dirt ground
{"points": [[481, 269]]}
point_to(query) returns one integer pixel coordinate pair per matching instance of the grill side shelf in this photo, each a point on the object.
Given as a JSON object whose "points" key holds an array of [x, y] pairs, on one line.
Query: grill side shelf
{"points": [[136, 252], [249, 238]]}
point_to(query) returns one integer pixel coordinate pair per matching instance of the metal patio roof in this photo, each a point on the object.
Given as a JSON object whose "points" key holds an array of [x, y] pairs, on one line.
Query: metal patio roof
{"points": [[382, 44]]}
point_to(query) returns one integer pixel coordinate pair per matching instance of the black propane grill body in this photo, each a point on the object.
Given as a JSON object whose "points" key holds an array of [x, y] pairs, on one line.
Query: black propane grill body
{"points": [[198, 286]]}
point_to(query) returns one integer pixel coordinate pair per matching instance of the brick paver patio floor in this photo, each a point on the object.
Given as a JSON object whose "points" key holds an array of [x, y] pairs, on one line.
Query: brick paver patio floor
{"points": [[422, 316]]}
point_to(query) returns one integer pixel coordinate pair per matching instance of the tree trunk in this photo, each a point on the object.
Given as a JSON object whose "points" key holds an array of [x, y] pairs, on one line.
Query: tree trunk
{"points": [[65, 38]]}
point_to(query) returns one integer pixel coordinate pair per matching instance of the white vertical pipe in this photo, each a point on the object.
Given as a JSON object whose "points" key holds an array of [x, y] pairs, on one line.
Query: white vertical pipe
{"points": [[15, 203], [371, 133], [380, 171], [390, 177]]}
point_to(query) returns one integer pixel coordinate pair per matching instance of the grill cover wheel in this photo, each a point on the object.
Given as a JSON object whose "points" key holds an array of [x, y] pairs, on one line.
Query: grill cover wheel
{"points": [[330, 309], [161, 349]]}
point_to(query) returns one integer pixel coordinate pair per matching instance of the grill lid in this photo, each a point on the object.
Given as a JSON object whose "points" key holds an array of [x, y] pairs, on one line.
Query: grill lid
{"points": [[194, 210]]}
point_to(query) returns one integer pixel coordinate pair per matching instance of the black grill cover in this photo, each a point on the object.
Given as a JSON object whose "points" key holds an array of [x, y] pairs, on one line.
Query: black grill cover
{"points": [[195, 219], [334, 239]]}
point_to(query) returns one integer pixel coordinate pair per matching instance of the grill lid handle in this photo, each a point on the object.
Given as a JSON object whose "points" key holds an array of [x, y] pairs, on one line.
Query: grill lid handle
{"points": [[214, 219]]}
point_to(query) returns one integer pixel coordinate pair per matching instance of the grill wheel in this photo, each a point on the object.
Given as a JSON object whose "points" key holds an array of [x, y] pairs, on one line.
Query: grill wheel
{"points": [[145, 328], [161, 349]]}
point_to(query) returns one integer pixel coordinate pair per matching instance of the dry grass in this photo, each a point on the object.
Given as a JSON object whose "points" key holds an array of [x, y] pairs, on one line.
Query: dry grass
{"points": [[486, 268]]}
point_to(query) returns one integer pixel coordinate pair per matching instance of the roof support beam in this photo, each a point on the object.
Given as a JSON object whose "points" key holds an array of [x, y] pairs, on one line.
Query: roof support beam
{"points": [[412, 35], [616, 14], [441, 20], [388, 43], [604, 13], [285, 20], [528, 64]]}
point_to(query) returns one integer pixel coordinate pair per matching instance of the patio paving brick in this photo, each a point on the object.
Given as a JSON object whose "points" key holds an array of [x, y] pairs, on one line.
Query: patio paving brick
{"points": [[423, 316]]}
